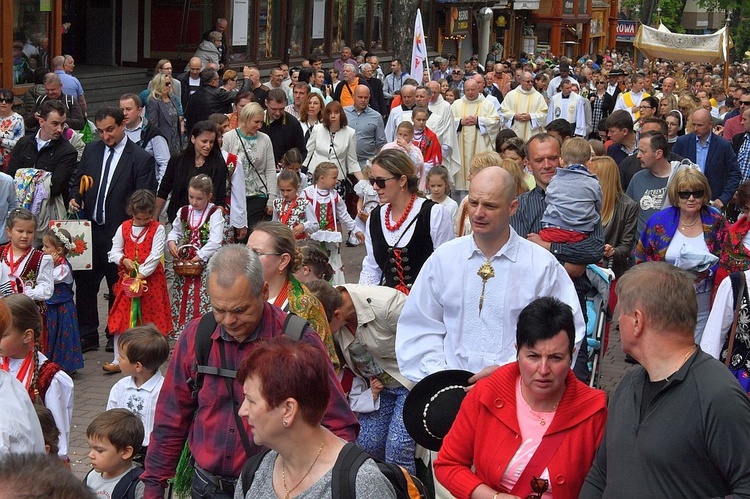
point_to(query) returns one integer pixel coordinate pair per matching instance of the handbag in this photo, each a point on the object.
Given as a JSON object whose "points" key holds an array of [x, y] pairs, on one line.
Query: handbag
{"points": [[80, 252]]}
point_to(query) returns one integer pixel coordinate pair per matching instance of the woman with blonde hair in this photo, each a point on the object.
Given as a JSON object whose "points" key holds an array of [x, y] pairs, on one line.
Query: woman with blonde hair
{"points": [[690, 225], [255, 151], [511, 167], [619, 215], [480, 162], [164, 112]]}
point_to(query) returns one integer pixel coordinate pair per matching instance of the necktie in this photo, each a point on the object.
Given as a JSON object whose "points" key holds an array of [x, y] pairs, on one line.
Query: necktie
{"points": [[99, 213]]}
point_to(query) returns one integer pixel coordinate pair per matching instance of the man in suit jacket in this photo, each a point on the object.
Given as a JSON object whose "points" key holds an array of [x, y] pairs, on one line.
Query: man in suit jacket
{"points": [[210, 99], [714, 156], [118, 168]]}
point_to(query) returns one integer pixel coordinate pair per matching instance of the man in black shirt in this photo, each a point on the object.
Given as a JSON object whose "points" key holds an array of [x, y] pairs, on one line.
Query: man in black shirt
{"points": [[283, 128]]}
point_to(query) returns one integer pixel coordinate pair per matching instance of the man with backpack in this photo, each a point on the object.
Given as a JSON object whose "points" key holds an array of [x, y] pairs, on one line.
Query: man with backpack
{"points": [[201, 396], [53, 91]]}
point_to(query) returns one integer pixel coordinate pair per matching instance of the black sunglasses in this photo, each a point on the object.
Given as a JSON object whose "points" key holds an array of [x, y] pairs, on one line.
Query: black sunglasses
{"points": [[539, 486], [167, 84], [380, 182], [7, 100], [687, 194]]}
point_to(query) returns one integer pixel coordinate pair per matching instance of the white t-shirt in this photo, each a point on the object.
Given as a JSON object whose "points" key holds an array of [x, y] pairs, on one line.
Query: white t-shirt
{"points": [[104, 487]]}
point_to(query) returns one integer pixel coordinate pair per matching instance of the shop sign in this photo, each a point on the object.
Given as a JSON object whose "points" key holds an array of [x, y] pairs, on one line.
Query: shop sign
{"points": [[459, 21], [526, 4], [568, 7], [626, 30]]}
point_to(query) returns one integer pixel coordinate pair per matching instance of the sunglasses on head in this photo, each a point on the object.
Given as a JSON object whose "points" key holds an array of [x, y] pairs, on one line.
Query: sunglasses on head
{"points": [[687, 194], [380, 182]]}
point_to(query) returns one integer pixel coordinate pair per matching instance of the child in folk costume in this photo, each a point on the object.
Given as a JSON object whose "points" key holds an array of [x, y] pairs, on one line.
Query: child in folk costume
{"points": [[196, 235], [426, 140], [367, 201], [29, 270], [44, 380], [63, 339], [290, 208], [324, 211], [292, 161], [137, 249]]}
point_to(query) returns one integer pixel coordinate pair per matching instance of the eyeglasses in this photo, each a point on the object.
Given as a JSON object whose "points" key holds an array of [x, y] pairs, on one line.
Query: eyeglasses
{"points": [[539, 486], [645, 107], [167, 84], [380, 182], [7, 100], [687, 194]]}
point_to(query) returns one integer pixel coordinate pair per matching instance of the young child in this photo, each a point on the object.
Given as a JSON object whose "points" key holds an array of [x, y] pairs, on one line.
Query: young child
{"points": [[44, 380], [28, 270], [142, 350], [49, 429], [314, 263], [137, 249], [196, 235], [440, 188], [63, 339], [425, 139], [324, 211], [368, 200], [292, 161], [290, 208], [404, 138], [114, 437], [574, 197]]}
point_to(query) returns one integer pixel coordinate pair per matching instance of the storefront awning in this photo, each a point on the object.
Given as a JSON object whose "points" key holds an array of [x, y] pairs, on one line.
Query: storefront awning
{"points": [[703, 49]]}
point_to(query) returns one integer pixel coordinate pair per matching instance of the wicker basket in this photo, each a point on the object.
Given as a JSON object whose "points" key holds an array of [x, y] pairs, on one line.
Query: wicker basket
{"points": [[188, 268], [184, 266]]}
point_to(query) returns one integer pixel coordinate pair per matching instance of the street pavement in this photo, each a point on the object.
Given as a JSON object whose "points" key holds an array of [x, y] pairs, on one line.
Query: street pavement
{"points": [[92, 385]]}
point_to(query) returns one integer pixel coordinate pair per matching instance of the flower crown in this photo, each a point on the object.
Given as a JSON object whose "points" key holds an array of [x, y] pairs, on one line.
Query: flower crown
{"points": [[66, 242]]}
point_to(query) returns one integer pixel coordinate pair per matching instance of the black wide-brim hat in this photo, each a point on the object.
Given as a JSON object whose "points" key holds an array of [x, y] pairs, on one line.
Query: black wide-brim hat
{"points": [[432, 406]]}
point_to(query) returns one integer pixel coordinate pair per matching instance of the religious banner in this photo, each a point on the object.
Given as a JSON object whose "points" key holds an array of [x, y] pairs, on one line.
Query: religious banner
{"points": [[418, 50], [703, 49]]}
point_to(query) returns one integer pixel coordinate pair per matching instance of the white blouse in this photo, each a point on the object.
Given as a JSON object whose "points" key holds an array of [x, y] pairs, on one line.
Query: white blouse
{"points": [[215, 234], [147, 267]]}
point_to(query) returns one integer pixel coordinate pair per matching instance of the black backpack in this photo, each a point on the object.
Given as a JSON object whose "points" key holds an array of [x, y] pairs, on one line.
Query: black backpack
{"points": [[344, 479], [125, 488]]}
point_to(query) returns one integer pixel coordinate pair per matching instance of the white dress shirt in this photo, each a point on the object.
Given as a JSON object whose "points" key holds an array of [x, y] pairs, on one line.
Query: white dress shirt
{"points": [[112, 167], [140, 400], [441, 326]]}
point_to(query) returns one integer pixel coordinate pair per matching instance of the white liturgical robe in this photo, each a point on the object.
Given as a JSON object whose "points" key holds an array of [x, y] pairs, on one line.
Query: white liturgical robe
{"points": [[473, 140], [518, 101]]}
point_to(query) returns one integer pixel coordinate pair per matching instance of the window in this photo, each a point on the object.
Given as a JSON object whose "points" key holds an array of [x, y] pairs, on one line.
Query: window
{"points": [[269, 32], [297, 38], [30, 39], [339, 25]]}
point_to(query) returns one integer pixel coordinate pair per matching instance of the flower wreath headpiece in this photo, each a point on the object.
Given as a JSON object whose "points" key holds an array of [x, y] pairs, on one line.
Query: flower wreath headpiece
{"points": [[66, 242]]}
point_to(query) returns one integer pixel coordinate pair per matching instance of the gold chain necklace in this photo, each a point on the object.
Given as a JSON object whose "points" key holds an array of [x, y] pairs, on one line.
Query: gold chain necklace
{"points": [[685, 226], [283, 472]]}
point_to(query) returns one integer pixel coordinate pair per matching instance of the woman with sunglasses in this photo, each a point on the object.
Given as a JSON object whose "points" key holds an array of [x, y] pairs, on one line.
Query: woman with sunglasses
{"points": [[689, 228], [530, 429], [11, 127], [602, 104], [405, 229], [163, 109]]}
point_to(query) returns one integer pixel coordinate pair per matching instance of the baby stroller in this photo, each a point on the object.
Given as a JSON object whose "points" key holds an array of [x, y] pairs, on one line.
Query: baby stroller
{"points": [[597, 311]]}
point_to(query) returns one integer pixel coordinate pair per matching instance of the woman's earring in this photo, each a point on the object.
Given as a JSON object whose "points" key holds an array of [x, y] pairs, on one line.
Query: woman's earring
{"points": [[285, 423]]}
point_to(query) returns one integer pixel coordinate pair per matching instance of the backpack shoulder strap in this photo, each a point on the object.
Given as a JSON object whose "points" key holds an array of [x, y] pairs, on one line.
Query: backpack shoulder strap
{"points": [[249, 469], [202, 347], [125, 488], [344, 474], [294, 327], [69, 101]]}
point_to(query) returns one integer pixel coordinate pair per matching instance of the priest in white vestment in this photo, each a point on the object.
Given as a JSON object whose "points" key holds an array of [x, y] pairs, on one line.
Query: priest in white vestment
{"points": [[440, 121], [477, 124], [400, 113], [568, 106], [524, 109]]}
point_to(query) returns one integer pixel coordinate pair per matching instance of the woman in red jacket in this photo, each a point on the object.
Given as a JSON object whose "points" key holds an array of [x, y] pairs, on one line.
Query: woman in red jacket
{"points": [[529, 420]]}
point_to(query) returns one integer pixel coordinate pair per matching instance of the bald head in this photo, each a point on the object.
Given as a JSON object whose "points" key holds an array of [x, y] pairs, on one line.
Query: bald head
{"points": [[194, 66], [471, 89], [361, 97], [435, 88], [479, 79], [496, 180], [702, 122], [58, 62]]}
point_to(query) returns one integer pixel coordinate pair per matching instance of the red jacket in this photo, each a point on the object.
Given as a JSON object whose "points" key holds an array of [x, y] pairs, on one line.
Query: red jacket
{"points": [[486, 435]]}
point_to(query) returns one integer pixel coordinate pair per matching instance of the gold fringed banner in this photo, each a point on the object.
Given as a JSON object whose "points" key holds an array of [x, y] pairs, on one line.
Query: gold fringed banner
{"points": [[703, 49]]}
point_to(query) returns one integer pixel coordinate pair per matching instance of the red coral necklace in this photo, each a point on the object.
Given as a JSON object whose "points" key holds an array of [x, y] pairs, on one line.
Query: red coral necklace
{"points": [[400, 222]]}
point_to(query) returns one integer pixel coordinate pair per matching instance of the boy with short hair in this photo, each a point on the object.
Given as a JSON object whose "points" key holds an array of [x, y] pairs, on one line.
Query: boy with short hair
{"points": [[573, 198], [141, 351], [114, 437]]}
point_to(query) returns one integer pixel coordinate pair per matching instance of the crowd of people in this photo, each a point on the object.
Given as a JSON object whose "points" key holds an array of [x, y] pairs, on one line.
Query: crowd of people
{"points": [[219, 206]]}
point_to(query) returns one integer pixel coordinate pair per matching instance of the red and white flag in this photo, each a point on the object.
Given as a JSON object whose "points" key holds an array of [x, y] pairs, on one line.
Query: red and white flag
{"points": [[418, 50]]}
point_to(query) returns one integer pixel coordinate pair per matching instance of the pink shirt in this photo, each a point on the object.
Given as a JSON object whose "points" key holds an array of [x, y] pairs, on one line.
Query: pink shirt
{"points": [[532, 432]]}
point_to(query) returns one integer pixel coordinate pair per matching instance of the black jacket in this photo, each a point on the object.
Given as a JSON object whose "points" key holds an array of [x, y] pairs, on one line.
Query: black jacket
{"points": [[58, 157], [377, 99], [209, 100], [737, 141], [285, 133]]}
